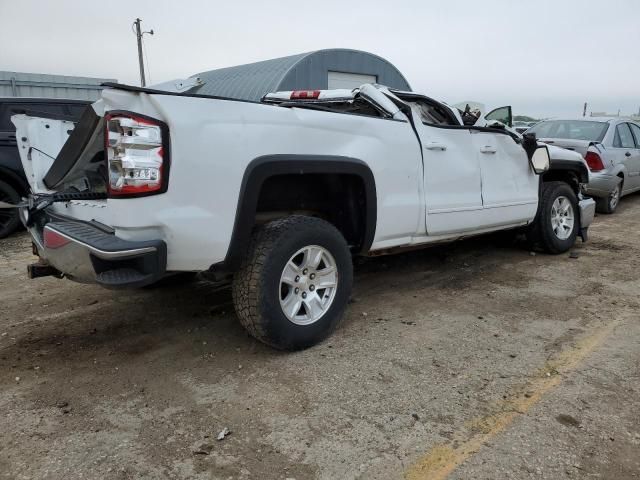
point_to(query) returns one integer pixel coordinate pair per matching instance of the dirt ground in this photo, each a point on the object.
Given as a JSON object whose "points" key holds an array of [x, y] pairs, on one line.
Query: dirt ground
{"points": [[475, 360]]}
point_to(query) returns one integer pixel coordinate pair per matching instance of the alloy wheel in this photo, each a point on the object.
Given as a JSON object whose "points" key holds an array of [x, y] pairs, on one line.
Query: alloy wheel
{"points": [[308, 285], [562, 218], [614, 198]]}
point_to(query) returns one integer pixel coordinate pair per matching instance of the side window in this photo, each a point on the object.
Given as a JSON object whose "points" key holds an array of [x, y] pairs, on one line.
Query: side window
{"points": [[545, 129], [502, 115], [434, 114], [636, 133], [623, 138]]}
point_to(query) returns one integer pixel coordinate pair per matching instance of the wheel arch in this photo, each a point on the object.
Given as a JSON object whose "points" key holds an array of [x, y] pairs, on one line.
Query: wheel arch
{"points": [[623, 176], [263, 168], [571, 172], [568, 167]]}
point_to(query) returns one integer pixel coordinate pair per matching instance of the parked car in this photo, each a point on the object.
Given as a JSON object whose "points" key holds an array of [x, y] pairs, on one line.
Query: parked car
{"points": [[280, 193], [611, 148], [13, 183], [522, 127]]}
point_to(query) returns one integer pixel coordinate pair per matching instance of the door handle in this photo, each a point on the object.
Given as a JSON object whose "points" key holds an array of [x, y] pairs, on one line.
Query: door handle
{"points": [[488, 149], [628, 154], [435, 146]]}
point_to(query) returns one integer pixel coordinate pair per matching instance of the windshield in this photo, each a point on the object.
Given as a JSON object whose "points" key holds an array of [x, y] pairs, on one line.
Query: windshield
{"points": [[571, 129]]}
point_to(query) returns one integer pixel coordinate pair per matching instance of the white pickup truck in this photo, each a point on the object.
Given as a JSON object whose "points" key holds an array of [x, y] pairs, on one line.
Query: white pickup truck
{"points": [[279, 194]]}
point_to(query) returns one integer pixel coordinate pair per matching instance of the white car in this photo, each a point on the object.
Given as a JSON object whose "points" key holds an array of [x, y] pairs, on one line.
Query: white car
{"points": [[280, 193]]}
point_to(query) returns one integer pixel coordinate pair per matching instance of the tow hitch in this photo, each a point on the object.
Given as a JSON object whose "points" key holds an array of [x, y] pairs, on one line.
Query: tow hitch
{"points": [[42, 269]]}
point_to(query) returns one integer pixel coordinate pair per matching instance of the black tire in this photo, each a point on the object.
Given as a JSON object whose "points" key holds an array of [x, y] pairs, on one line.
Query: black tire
{"points": [[541, 232], [256, 287], [9, 218], [610, 203]]}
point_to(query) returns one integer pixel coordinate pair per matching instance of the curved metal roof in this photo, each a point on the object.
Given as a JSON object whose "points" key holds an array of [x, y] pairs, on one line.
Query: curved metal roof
{"points": [[305, 71]]}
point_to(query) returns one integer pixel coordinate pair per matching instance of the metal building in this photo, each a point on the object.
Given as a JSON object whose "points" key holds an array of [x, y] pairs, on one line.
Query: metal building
{"points": [[18, 84], [322, 69]]}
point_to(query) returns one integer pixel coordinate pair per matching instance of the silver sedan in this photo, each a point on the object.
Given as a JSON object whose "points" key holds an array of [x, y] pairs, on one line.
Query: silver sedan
{"points": [[611, 148]]}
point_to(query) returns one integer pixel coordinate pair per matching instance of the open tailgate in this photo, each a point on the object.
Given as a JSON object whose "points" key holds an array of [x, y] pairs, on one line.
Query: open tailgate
{"points": [[39, 142]]}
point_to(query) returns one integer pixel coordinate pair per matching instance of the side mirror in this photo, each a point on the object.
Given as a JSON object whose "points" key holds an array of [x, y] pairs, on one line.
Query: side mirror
{"points": [[540, 160]]}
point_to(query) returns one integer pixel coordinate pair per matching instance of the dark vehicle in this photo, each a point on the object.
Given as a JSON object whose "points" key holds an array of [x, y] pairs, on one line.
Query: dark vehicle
{"points": [[13, 184]]}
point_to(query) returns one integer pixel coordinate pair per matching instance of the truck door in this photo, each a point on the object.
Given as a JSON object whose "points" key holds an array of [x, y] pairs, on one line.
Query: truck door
{"points": [[452, 186], [509, 186]]}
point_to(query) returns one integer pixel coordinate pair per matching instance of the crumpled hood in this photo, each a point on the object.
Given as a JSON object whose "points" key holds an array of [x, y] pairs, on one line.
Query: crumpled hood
{"points": [[559, 153], [578, 146]]}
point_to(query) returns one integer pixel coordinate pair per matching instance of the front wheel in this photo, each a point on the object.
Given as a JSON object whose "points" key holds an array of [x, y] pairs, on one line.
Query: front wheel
{"points": [[557, 223], [294, 284]]}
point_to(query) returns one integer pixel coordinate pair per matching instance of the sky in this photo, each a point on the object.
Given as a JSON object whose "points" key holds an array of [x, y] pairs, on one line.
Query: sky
{"points": [[544, 57]]}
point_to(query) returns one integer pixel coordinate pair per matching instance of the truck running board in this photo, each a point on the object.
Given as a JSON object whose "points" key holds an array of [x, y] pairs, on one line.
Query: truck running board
{"points": [[123, 276]]}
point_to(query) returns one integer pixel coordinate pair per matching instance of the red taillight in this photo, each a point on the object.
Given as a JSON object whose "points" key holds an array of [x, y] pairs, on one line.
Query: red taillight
{"points": [[594, 161], [53, 239], [137, 155], [300, 94]]}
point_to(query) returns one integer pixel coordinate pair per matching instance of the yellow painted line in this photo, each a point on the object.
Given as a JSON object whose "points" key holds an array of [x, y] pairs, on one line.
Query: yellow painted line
{"points": [[444, 458]]}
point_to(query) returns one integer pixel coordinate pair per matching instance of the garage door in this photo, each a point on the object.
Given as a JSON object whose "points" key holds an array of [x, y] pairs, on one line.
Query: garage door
{"points": [[349, 80]]}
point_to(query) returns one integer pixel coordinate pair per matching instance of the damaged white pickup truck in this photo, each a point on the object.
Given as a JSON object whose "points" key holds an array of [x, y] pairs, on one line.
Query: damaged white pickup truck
{"points": [[280, 194]]}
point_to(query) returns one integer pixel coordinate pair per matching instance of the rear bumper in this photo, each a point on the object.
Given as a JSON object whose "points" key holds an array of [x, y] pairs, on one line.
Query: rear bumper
{"points": [[587, 212], [89, 252], [587, 207], [601, 184]]}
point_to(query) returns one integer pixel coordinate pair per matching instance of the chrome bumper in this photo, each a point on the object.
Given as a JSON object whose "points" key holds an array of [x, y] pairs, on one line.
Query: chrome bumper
{"points": [[587, 207], [87, 252]]}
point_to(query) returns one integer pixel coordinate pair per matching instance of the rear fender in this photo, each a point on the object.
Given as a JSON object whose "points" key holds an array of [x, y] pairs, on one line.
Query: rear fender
{"points": [[611, 167], [262, 168]]}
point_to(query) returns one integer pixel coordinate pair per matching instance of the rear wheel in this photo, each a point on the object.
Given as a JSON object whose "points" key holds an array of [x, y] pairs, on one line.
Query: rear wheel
{"points": [[557, 223], [9, 219], [294, 284], [610, 203]]}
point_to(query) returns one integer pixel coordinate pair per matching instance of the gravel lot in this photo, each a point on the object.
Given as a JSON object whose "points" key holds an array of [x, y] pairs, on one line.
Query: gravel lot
{"points": [[475, 360]]}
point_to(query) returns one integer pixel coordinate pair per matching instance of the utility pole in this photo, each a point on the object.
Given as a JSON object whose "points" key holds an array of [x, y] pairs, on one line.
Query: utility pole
{"points": [[139, 34], [584, 110]]}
